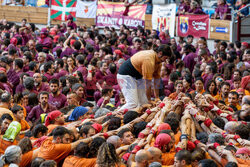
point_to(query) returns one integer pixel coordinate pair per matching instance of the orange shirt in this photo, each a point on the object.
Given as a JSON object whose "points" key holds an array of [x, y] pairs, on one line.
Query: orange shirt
{"points": [[26, 159], [219, 97], [79, 162], [147, 64], [24, 126], [52, 151], [4, 144], [168, 158], [6, 111], [201, 92], [177, 137], [51, 127], [243, 163], [173, 95]]}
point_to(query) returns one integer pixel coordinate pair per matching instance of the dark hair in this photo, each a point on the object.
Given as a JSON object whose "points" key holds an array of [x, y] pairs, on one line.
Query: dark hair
{"points": [[112, 68], [54, 81], [224, 83], [87, 104], [43, 93], [16, 108], [138, 127], [32, 65], [165, 49], [28, 55], [173, 122], [173, 76], [202, 137], [218, 121], [72, 80], [114, 123], [82, 150], [121, 132], [12, 51], [48, 163], [243, 131], [25, 145], [184, 155], [80, 59], [76, 86], [94, 146], [32, 99], [207, 163], [5, 97], [77, 45], [39, 128], [47, 66], [209, 84], [223, 43], [6, 116], [130, 116], [60, 62], [234, 93], [198, 154], [85, 129], [107, 155], [3, 78], [190, 36], [37, 162], [60, 132], [63, 80], [223, 56], [231, 164]]}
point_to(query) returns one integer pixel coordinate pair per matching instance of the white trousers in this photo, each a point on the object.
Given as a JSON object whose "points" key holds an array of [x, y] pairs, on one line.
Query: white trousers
{"points": [[133, 90]]}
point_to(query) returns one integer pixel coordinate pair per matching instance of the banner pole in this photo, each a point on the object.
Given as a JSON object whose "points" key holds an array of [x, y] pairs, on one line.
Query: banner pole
{"points": [[49, 13]]}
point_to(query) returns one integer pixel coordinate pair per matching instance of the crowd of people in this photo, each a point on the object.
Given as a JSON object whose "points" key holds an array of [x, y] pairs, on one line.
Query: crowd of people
{"points": [[71, 96]]}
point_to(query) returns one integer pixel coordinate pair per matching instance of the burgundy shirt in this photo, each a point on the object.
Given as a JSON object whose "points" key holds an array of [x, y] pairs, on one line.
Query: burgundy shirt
{"points": [[110, 79], [223, 9], [58, 101], [37, 111], [61, 73], [190, 61], [44, 87], [82, 69], [48, 76]]}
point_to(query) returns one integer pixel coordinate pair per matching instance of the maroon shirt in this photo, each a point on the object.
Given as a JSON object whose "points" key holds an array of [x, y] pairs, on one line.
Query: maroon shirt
{"points": [[60, 74], [223, 10], [82, 69], [190, 61], [48, 76], [44, 87], [37, 111], [58, 101], [110, 79]]}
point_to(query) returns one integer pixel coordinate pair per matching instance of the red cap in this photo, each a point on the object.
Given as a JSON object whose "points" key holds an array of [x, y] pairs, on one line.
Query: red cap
{"points": [[118, 52], [52, 116], [13, 41], [56, 38], [72, 41], [97, 127], [122, 46], [245, 44], [2, 69]]}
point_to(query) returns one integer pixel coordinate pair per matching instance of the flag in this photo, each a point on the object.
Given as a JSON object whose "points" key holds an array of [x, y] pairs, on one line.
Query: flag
{"points": [[86, 9], [60, 9]]}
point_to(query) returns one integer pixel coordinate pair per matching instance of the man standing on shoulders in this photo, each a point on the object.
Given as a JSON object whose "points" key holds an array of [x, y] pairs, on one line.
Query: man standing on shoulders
{"points": [[135, 76]]}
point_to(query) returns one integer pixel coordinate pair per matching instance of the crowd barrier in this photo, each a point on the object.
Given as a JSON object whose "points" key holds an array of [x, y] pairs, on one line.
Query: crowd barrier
{"points": [[218, 29]]}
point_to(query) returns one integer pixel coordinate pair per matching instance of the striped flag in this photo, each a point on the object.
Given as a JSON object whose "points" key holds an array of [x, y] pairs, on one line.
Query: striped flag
{"points": [[60, 9]]}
